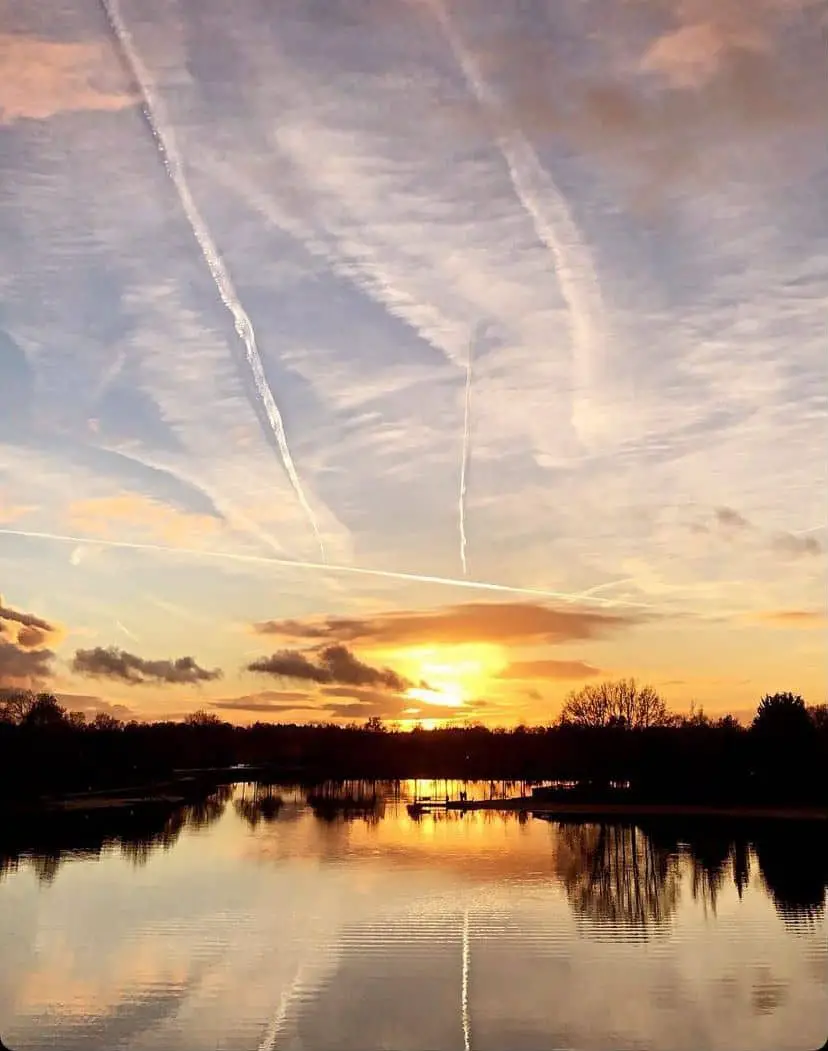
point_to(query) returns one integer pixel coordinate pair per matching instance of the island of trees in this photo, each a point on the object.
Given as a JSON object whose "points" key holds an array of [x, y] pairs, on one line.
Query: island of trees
{"points": [[613, 740]]}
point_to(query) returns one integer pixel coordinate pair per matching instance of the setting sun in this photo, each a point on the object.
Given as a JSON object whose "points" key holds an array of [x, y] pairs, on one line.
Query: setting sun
{"points": [[450, 676]]}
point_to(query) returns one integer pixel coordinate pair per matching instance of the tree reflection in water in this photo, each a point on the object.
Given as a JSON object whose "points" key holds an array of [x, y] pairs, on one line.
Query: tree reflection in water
{"points": [[793, 862], [48, 842], [615, 875], [262, 805], [630, 876]]}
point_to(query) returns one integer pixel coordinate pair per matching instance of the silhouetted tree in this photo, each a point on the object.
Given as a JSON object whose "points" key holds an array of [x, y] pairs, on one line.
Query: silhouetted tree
{"points": [[15, 705], [202, 718], [621, 704], [819, 717], [46, 713], [105, 721], [782, 713]]}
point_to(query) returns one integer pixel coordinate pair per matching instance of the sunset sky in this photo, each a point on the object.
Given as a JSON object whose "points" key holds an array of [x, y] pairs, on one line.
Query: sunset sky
{"points": [[415, 358]]}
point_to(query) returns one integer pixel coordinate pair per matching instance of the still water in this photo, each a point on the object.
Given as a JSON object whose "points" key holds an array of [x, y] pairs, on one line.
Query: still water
{"points": [[257, 922]]}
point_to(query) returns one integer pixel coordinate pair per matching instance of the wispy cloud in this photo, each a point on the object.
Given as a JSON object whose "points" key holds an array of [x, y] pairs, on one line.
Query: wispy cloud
{"points": [[264, 702], [118, 664], [556, 229], [128, 513], [40, 78], [162, 131], [793, 618], [549, 669], [792, 546]]}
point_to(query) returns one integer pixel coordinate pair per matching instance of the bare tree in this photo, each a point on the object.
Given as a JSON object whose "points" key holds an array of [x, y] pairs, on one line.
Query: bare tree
{"points": [[622, 703], [15, 705]]}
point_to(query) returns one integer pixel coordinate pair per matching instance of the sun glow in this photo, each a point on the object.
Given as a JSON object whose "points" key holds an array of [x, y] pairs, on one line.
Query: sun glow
{"points": [[448, 676]]}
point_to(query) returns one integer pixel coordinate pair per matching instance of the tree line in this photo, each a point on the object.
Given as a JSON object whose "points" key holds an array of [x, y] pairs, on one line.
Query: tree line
{"points": [[609, 734]]}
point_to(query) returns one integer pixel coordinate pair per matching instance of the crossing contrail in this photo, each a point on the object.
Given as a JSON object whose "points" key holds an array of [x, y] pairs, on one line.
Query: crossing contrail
{"points": [[553, 222], [159, 124], [324, 567], [464, 988], [464, 463]]}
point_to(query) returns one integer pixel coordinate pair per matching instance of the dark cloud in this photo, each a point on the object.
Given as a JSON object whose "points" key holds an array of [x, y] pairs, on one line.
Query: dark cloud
{"points": [[24, 668], [331, 664], [290, 664], [25, 619], [114, 663], [730, 521], [549, 669], [470, 622], [789, 545], [32, 638]]}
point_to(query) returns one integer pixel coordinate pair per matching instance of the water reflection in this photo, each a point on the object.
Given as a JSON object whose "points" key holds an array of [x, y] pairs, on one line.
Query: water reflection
{"points": [[48, 842], [616, 875], [325, 917]]}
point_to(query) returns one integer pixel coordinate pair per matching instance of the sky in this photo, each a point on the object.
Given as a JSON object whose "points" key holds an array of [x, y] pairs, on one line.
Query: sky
{"points": [[424, 359]]}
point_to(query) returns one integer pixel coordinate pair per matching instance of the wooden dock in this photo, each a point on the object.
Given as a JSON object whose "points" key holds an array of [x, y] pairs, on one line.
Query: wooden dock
{"points": [[564, 809]]}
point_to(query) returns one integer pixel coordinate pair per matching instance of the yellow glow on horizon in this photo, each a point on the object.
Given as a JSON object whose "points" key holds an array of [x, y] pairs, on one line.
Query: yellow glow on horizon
{"points": [[448, 695], [449, 675]]}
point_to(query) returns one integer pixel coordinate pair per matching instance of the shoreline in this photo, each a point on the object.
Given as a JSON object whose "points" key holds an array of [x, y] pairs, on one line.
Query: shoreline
{"points": [[542, 808]]}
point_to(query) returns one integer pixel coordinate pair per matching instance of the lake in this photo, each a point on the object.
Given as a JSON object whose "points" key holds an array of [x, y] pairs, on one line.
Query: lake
{"points": [[256, 922]]}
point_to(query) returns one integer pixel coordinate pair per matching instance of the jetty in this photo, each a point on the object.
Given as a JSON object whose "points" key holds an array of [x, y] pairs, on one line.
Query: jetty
{"points": [[618, 811]]}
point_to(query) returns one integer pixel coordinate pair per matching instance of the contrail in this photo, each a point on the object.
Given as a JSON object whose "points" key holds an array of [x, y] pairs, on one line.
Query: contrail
{"points": [[276, 1025], [157, 119], [464, 463], [464, 988], [551, 217], [324, 567], [129, 634]]}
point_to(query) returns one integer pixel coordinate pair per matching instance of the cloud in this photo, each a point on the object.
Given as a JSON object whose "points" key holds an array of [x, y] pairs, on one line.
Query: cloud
{"points": [[110, 515], [469, 622], [362, 703], [669, 86], [332, 664], [114, 663], [21, 668], [268, 701], [730, 522], [789, 545], [40, 78], [32, 638], [29, 620], [92, 705], [11, 512], [793, 618], [549, 669], [31, 632]]}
